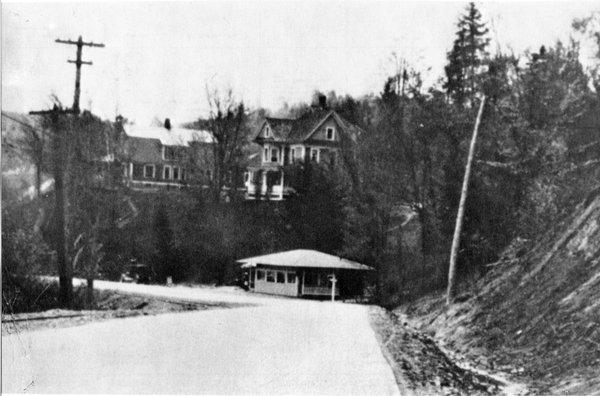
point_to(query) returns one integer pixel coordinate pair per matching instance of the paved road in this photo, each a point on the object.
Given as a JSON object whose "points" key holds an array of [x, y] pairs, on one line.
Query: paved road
{"points": [[275, 346]]}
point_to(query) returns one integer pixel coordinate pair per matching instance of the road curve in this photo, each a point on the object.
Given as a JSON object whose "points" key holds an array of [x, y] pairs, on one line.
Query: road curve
{"points": [[275, 346]]}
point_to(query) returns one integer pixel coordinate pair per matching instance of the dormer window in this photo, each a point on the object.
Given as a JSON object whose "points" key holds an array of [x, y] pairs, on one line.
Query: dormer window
{"points": [[330, 133], [267, 131]]}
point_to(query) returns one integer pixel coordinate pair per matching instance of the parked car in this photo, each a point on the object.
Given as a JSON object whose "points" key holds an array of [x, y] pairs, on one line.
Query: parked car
{"points": [[138, 273]]}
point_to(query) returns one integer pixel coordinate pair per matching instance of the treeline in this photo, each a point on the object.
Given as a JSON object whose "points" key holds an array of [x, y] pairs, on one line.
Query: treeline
{"points": [[538, 153]]}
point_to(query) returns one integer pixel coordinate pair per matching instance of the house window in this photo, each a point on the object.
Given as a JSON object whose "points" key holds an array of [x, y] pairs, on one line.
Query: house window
{"points": [[271, 276], [183, 174], [247, 177], [176, 173], [292, 155], [266, 154], [170, 152], [291, 277], [274, 155], [267, 131], [167, 174], [280, 277], [149, 171], [260, 275], [314, 154], [330, 133]]}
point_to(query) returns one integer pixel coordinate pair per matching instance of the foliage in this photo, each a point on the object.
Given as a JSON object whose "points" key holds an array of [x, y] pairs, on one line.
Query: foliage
{"points": [[467, 57]]}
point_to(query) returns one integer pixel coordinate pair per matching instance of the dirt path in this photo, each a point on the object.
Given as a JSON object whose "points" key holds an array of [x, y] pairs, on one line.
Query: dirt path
{"points": [[276, 346]]}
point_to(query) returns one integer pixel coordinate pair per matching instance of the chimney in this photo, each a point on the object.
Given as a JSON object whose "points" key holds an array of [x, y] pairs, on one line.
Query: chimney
{"points": [[167, 124], [323, 101]]}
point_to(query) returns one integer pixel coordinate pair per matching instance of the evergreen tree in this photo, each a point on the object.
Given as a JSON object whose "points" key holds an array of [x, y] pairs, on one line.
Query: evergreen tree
{"points": [[467, 57]]}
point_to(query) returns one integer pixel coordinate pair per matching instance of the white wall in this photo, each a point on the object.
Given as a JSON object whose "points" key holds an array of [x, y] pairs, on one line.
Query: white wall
{"points": [[285, 289]]}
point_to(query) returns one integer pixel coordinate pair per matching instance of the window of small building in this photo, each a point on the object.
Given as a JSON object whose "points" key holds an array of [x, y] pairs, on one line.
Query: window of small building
{"points": [[183, 174], [260, 275], [274, 155], [280, 277], [267, 131], [266, 154], [271, 276], [247, 176], [330, 133], [291, 277], [149, 171], [176, 172]]}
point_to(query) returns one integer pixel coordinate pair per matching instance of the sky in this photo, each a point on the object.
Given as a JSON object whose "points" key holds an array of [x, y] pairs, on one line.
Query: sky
{"points": [[160, 57]]}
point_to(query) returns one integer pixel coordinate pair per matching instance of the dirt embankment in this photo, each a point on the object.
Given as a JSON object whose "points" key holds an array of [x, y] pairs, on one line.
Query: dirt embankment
{"points": [[109, 305], [535, 316]]}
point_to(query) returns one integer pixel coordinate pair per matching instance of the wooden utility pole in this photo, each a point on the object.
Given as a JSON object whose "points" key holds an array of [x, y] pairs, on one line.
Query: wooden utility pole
{"points": [[60, 151], [78, 62], [65, 272], [461, 208]]}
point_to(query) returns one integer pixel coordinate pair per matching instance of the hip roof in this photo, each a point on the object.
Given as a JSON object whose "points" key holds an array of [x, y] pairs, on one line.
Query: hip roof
{"points": [[303, 258]]}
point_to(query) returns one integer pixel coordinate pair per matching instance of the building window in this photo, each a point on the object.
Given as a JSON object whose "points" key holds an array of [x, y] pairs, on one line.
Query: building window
{"points": [[149, 171], [330, 133], [247, 176], [176, 173], [260, 275], [167, 174], [280, 277], [291, 277], [183, 174], [266, 154], [274, 155], [267, 131], [170, 152], [292, 155], [271, 276], [314, 154]]}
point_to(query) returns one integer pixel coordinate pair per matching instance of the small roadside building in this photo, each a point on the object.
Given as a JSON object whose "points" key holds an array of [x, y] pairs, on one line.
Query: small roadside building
{"points": [[301, 273]]}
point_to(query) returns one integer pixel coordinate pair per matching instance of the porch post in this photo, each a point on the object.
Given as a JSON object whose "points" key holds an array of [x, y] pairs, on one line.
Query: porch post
{"points": [[263, 185], [281, 183]]}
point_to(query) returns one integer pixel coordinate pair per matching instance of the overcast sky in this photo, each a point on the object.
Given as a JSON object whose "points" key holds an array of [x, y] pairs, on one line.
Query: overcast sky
{"points": [[160, 56]]}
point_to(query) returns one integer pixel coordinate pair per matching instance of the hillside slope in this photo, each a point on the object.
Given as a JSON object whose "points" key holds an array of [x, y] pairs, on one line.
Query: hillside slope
{"points": [[536, 314]]}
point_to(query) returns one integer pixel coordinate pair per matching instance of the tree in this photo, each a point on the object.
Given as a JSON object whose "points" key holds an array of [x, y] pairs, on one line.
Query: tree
{"points": [[227, 123], [467, 58]]}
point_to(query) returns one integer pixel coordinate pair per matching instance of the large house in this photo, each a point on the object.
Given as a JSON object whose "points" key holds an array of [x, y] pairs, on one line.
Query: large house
{"points": [[315, 136], [166, 157]]}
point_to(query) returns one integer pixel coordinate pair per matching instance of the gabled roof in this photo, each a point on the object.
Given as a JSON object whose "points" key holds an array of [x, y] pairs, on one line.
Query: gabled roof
{"points": [[303, 258], [300, 129], [172, 137]]}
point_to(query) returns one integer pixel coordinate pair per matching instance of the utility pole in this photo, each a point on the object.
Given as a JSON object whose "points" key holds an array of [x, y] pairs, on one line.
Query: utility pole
{"points": [[78, 62], [59, 148], [60, 154], [461, 208]]}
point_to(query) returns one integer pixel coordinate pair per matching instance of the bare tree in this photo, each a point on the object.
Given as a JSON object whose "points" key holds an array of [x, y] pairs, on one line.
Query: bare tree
{"points": [[227, 123]]}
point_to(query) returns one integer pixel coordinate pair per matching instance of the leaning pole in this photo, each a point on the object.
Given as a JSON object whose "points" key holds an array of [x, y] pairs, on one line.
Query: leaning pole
{"points": [[461, 208]]}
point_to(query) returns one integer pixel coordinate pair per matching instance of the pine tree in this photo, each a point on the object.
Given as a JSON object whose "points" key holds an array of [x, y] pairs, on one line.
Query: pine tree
{"points": [[467, 58]]}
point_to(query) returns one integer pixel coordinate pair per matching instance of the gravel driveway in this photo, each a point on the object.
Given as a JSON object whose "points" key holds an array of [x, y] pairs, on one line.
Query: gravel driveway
{"points": [[275, 346]]}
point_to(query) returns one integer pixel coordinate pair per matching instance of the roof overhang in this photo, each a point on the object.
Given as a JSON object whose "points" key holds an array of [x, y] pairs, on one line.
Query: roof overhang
{"points": [[303, 259]]}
